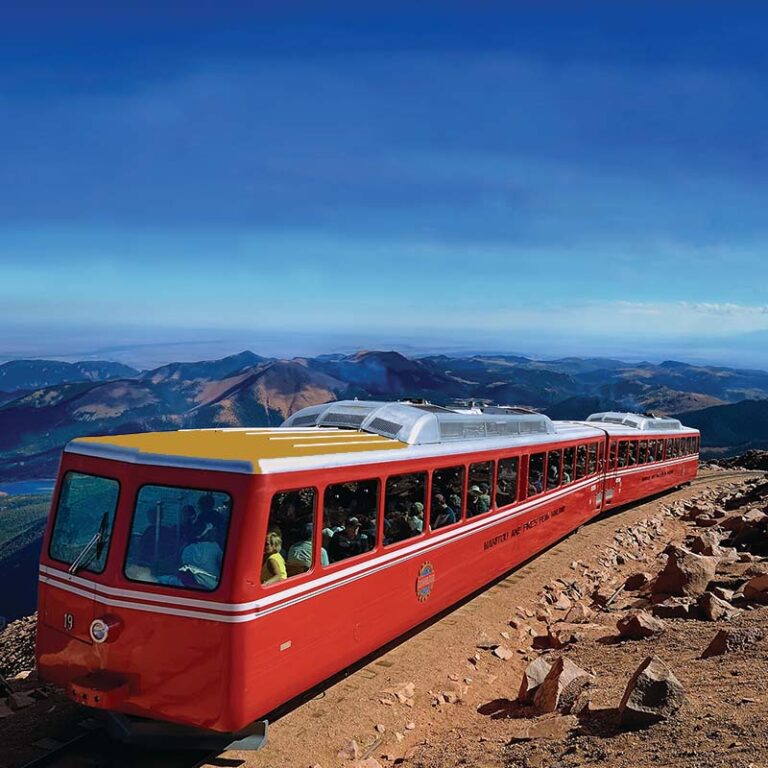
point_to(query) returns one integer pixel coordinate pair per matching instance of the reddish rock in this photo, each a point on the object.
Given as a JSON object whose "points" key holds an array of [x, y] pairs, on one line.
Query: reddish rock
{"points": [[756, 589], [579, 614], [402, 692], [485, 643], [729, 640], [675, 608], [733, 523], [712, 608], [652, 694], [350, 751], [559, 637], [685, 574], [705, 543], [547, 727], [638, 625], [563, 603], [533, 677], [723, 593], [562, 687], [636, 581]]}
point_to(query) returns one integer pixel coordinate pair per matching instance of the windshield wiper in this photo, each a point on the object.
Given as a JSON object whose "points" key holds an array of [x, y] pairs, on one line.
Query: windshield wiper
{"points": [[95, 544]]}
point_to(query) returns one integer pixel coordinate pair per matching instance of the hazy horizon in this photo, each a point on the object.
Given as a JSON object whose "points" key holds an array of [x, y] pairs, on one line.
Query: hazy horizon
{"points": [[150, 348]]}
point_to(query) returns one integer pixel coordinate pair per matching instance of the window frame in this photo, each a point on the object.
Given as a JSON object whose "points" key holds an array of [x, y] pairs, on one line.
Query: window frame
{"points": [[430, 495], [572, 467], [425, 529], [315, 545], [377, 544], [550, 451], [185, 590], [491, 490], [543, 474], [114, 519], [518, 473]]}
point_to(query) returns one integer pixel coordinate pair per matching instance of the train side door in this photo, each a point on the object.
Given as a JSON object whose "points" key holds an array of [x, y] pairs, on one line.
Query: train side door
{"points": [[611, 483]]}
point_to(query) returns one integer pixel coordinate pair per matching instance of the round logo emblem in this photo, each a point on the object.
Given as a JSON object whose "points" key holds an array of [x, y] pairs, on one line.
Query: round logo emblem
{"points": [[425, 581]]}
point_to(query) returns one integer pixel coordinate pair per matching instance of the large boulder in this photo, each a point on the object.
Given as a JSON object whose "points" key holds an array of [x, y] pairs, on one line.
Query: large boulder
{"points": [[652, 694], [756, 589], [712, 608], [636, 581], [675, 608], [730, 640], [563, 688], [705, 543], [533, 677], [685, 574]]}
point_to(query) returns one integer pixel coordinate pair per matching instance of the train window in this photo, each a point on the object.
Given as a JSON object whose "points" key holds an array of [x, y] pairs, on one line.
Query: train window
{"points": [[506, 481], [178, 536], [643, 453], [536, 473], [592, 459], [623, 453], [632, 453], [569, 457], [479, 488], [581, 461], [651, 456], [613, 453], [404, 506], [554, 473], [447, 493], [288, 547], [84, 518], [350, 515]]}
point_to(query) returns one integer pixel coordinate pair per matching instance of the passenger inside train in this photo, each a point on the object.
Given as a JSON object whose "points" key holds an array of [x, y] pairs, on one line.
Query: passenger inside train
{"points": [[177, 537]]}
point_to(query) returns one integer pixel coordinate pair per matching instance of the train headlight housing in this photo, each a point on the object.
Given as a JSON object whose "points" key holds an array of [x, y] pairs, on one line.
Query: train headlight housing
{"points": [[105, 629]]}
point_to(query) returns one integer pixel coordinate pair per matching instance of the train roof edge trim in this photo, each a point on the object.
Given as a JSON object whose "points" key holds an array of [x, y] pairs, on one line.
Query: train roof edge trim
{"points": [[136, 456], [417, 424], [637, 421]]}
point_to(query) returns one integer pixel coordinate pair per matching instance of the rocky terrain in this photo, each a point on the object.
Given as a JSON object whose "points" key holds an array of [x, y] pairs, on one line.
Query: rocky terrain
{"points": [[641, 640]]}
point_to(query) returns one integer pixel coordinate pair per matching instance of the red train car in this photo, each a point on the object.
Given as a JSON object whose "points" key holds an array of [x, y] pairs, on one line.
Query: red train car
{"points": [[205, 577]]}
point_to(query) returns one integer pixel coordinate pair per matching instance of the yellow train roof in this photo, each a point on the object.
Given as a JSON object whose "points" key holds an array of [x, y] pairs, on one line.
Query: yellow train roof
{"points": [[232, 450]]}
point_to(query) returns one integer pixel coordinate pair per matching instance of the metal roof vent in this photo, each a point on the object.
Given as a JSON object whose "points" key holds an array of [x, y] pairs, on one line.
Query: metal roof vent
{"points": [[416, 425], [637, 421]]}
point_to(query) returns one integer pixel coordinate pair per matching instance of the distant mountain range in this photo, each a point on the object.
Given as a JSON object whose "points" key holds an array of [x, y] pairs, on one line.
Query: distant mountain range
{"points": [[43, 403]]}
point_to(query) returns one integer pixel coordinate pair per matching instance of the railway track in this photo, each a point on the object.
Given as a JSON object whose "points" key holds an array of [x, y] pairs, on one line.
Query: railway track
{"points": [[726, 475], [93, 748]]}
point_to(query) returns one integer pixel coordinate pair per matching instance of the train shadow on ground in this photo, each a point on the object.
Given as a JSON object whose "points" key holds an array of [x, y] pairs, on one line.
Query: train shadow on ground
{"points": [[319, 690]]}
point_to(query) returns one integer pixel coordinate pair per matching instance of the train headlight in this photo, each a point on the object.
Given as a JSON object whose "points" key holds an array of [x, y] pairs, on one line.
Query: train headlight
{"points": [[105, 628]]}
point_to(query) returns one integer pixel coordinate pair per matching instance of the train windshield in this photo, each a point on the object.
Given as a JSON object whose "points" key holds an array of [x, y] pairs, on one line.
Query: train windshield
{"points": [[178, 537], [84, 520]]}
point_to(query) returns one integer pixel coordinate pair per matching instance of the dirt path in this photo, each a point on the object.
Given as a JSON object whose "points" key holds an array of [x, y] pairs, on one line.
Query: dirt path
{"points": [[440, 659]]}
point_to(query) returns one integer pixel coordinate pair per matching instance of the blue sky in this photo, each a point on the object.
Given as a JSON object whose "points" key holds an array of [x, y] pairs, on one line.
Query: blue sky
{"points": [[578, 178]]}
